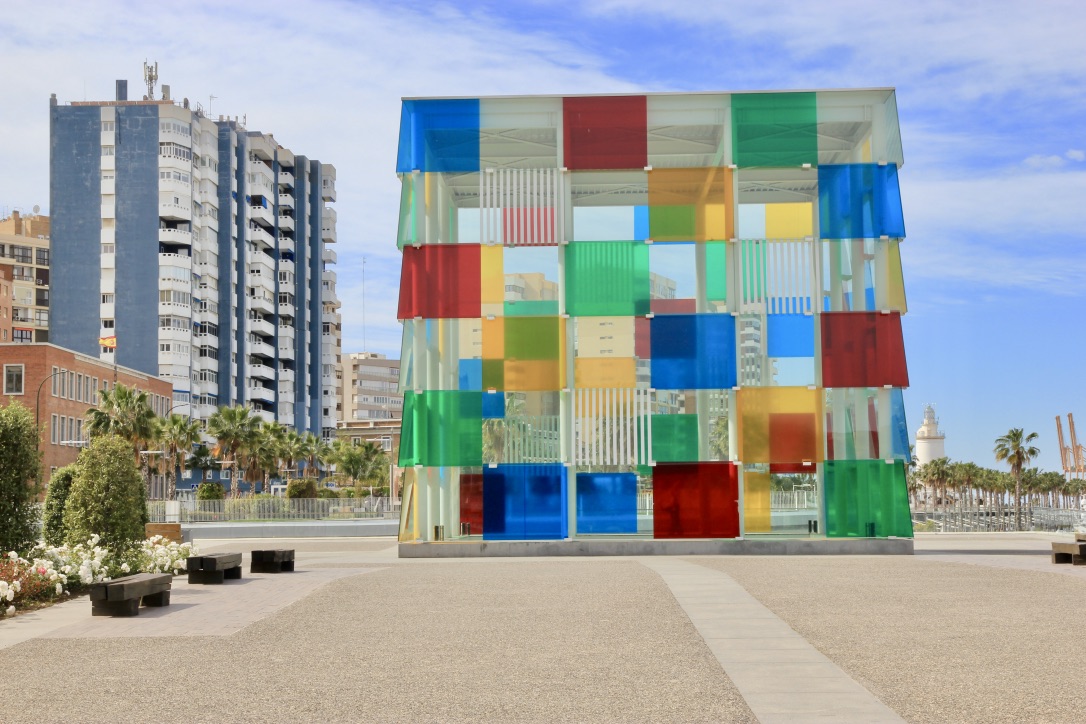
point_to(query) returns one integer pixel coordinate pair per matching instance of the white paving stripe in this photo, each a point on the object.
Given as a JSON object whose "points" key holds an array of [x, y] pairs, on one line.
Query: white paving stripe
{"points": [[782, 677]]}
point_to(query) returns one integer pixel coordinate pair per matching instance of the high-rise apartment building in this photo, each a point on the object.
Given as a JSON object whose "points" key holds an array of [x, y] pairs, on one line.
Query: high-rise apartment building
{"points": [[195, 250], [371, 387], [24, 252]]}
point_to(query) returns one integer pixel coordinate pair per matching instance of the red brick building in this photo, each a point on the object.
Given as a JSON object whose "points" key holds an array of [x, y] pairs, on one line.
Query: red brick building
{"points": [[66, 385]]}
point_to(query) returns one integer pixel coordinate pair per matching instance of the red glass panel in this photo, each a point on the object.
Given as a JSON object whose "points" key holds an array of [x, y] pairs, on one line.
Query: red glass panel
{"points": [[605, 133], [527, 226], [440, 281], [695, 500], [642, 338], [471, 502], [786, 468], [673, 306], [792, 437], [863, 349]]}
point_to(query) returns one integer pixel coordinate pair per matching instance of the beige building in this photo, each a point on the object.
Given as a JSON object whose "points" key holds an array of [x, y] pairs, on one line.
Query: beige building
{"points": [[24, 252], [370, 384]]}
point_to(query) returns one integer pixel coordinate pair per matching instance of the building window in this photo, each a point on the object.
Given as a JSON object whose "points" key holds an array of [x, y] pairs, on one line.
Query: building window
{"points": [[107, 299], [55, 383], [79, 387], [107, 324], [13, 379], [41, 257], [53, 430], [109, 248], [107, 150], [108, 126], [94, 392]]}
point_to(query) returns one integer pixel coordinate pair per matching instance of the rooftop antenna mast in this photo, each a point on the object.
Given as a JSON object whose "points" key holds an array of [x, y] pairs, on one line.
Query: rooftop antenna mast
{"points": [[150, 76]]}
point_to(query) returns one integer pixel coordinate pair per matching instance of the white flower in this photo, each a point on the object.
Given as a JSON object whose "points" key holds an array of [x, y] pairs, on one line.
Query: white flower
{"points": [[17, 586], [10, 611], [10, 594], [124, 567], [13, 555], [60, 589]]}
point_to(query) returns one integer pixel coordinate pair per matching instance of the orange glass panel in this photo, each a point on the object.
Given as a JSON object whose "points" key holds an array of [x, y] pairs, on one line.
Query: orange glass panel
{"points": [[534, 375], [789, 221], [690, 204], [494, 338], [493, 276], [605, 372], [776, 424], [756, 502]]}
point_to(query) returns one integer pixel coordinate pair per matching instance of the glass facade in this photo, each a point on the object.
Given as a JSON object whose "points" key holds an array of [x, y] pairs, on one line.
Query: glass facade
{"points": [[668, 316]]}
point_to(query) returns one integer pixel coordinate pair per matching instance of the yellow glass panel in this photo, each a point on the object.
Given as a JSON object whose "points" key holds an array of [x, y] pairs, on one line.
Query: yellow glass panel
{"points": [[409, 519], [605, 336], [788, 221], [493, 276], [707, 192], [605, 372], [895, 289], [534, 375], [780, 424], [715, 225], [493, 338], [756, 502]]}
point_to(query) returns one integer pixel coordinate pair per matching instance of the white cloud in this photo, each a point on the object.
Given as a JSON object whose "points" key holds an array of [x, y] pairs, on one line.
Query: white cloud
{"points": [[1076, 154], [1041, 162]]}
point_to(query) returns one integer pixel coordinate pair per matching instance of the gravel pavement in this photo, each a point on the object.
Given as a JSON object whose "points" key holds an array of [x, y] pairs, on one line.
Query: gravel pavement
{"points": [[599, 640], [936, 641]]}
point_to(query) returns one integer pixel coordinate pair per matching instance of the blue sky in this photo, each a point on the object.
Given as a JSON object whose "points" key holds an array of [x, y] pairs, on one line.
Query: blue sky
{"points": [[991, 100]]}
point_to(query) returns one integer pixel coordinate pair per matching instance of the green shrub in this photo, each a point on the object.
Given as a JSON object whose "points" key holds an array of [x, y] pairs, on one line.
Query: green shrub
{"points": [[56, 499], [302, 488], [346, 493], [256, 507], [210, 490], [328, 494], [20, 464], [107, 496]]}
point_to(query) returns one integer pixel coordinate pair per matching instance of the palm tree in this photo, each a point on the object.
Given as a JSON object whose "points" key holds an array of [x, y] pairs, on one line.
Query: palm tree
{"points": [[203, 460], [176, 435], [264, 453], [365, 461], [936, 474], [234, 430], [125, 412], [293, 450], [316, 451], [1014, 449]]}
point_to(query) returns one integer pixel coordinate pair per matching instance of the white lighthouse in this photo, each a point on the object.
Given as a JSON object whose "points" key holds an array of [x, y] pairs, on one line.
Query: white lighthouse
{"points": [[929, 438]]}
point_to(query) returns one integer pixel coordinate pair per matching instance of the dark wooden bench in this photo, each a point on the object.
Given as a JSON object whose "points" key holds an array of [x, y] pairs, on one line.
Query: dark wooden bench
{"points": [[122, 596], [280, 560], [214, 567], [1073, 553]]}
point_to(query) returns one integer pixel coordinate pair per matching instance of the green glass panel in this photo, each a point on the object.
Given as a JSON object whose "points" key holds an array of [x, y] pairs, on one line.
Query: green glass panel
{"points": [[716, 271], [673, 222], [493, 374], [405, 235], [774, 129], [607, 278], [866, 499], [538, 308], [675, 438], [441, 428], [529, 338]]}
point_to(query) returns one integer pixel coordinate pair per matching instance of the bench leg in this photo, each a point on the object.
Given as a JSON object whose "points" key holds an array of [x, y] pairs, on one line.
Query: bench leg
{"points": [[1061, 557], [128, 607], [206, 577], [157, 599], [233, 574], [288, 566]]}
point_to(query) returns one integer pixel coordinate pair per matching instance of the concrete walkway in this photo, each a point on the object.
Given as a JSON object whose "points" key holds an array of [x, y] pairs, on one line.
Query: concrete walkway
{"points": [[781, 676]]}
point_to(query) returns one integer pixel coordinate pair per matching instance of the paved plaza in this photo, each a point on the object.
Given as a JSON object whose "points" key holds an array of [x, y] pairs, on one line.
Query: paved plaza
{"points": [[973, 628]]}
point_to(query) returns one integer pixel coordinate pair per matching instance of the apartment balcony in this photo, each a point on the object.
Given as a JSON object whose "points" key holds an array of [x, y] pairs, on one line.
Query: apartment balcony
{"points": [[262, 371], [173, 334], [328, 276], [286, 309], [286, 351], [109, 210], [328, 184], [260, 234], [286, 199], [263, 266], [262, 216], [180, 261], [286, 265], [286, 376], [261, 349], [262, 304], [328, 318], [181, 211], [328, 256], [286, 178], [286, 222], [175, 236], [262, 326], [286, 244], [265, 415], [328, 234]]}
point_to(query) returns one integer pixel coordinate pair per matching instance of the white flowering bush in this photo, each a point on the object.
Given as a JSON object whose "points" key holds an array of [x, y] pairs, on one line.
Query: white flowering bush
{"points": [[55, 572]]}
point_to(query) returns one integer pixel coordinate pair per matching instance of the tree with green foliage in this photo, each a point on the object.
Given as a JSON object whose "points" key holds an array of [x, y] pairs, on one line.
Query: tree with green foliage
{"points": [[20, 465], [210, 490], [108, 497], [363, 462], [234, 430], [56, 500], [175, 436], [1015, 449], [302, 488], [125, 412]]}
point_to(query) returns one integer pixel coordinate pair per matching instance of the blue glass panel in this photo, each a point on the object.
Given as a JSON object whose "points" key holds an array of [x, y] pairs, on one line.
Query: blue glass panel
{"points": [[439, 136], [641, 223], [859, 201], [524, 502], [899, 428], [493, 403], [606, 502], [693, 351], [790, 335], [471, 375]]}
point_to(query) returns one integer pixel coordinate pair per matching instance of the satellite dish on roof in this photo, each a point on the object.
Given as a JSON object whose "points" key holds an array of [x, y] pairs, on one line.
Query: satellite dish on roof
{"points": [[36, 209]]}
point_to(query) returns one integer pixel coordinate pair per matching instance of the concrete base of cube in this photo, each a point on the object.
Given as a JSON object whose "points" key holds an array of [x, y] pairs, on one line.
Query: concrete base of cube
{"points": [[619, 547]]}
